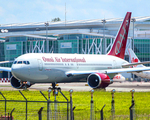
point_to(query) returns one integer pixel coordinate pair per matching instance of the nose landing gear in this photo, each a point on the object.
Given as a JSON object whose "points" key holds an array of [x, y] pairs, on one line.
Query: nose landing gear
{"points": [[54, 87]]}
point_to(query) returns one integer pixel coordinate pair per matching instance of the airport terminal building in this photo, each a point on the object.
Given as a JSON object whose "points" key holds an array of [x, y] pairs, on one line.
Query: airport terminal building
{"points": [[81, 37]]}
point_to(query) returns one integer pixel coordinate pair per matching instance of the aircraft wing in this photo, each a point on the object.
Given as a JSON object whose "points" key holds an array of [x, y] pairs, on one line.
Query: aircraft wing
{"points": [[128, 70], [131, 64], [110, 72], [7, 69], [75, 73]]}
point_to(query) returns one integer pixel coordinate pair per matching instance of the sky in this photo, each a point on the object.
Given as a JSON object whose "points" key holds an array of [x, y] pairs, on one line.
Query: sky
{"points": [[33, 11]]}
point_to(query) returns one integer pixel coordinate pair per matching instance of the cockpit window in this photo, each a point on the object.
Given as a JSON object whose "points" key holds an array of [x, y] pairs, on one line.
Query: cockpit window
{"points": [[28, 62], [22, 62], [15, 62], [19, 62]]}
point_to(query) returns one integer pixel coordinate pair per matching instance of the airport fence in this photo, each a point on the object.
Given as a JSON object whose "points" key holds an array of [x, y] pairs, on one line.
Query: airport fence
{"points": [[33, 110], [53, 109]]}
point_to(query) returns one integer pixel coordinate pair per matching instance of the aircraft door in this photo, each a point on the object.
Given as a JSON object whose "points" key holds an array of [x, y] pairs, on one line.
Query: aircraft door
{"points": [[146, 74], [77, 65], [40, 65], [114, 64]]}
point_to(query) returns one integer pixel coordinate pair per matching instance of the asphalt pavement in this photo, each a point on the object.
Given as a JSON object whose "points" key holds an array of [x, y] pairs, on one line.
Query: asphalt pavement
{"points": [[121, 87]]}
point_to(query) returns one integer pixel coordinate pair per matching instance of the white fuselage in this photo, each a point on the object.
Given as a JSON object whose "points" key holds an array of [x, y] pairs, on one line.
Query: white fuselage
{"points": [[134, 59], [143, 74], [48, 68]]}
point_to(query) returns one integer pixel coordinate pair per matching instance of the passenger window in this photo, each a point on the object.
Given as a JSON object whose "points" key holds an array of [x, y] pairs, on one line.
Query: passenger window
{"points": [[19, 62]]}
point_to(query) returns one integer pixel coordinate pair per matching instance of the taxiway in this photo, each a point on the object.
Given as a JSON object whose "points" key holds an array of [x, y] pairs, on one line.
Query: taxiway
{"points": [[121, 87]]}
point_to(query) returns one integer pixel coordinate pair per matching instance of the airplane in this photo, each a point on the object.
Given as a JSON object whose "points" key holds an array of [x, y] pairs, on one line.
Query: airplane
{"points": [[97, 70], [134, 59], [118, 78]]}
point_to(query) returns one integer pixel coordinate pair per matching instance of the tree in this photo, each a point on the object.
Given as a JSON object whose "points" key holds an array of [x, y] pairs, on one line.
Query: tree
{"points": [[56, 19]]}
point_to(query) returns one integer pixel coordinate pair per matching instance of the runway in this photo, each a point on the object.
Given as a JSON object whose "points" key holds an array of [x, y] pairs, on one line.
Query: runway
{"points": [[120, 87]]}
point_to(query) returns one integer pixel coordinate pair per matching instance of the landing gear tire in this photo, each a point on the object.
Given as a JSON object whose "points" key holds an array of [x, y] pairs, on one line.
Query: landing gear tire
{"points": [[54, 87]]}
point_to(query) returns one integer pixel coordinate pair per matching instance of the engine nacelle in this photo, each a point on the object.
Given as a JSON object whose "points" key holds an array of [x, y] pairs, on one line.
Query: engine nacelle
{"points": [[98, 80], [19, 84]]}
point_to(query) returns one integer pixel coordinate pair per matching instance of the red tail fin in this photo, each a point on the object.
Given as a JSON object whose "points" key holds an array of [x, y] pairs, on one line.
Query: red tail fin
{"points": [[119, 46]]}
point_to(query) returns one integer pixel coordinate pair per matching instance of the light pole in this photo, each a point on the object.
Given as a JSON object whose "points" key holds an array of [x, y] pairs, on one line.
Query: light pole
{"points": [[47, 47], [104, 21], [71, 104], [77, 44], [132, 110], [133, 20], [132, 95], [113, 104], [48, 107], [92, 106]]}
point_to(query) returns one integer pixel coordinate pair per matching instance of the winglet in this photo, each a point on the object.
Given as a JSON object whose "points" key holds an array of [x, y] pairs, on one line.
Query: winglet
{"points": [[119, 46]]}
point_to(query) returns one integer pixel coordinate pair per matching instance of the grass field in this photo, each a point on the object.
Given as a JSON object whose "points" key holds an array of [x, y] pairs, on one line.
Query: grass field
{"points": [[81, 101]]}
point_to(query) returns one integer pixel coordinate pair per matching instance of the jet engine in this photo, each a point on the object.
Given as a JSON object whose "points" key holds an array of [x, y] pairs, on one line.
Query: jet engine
{"points": [[19, 84], [98, 80]]}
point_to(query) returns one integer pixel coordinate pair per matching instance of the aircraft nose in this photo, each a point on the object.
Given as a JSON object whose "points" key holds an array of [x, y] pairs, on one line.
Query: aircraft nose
{"points": [[16, 70]]}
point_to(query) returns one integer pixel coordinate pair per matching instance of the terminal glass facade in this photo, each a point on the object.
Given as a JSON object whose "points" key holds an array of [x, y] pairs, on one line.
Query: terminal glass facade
{"points": [[12, 50], [2, 55], [142, 49], [76, 43]]}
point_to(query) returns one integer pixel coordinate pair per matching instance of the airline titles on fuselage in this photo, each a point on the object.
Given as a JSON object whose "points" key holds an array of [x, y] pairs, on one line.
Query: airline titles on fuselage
{"points": [[61, 59], [73, 62]]}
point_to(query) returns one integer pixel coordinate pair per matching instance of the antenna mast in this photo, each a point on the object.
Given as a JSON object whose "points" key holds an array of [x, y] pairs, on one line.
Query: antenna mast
{"points": [[65, 13]]}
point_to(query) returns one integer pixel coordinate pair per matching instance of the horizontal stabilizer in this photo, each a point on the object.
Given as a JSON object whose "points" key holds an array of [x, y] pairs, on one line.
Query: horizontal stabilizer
{"points": [[131, 64], [7, 69], [2, 62]]}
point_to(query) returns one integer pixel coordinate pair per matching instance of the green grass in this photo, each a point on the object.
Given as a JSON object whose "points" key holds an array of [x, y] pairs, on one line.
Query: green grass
{"points": [[5, 86], [81, 100]]}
